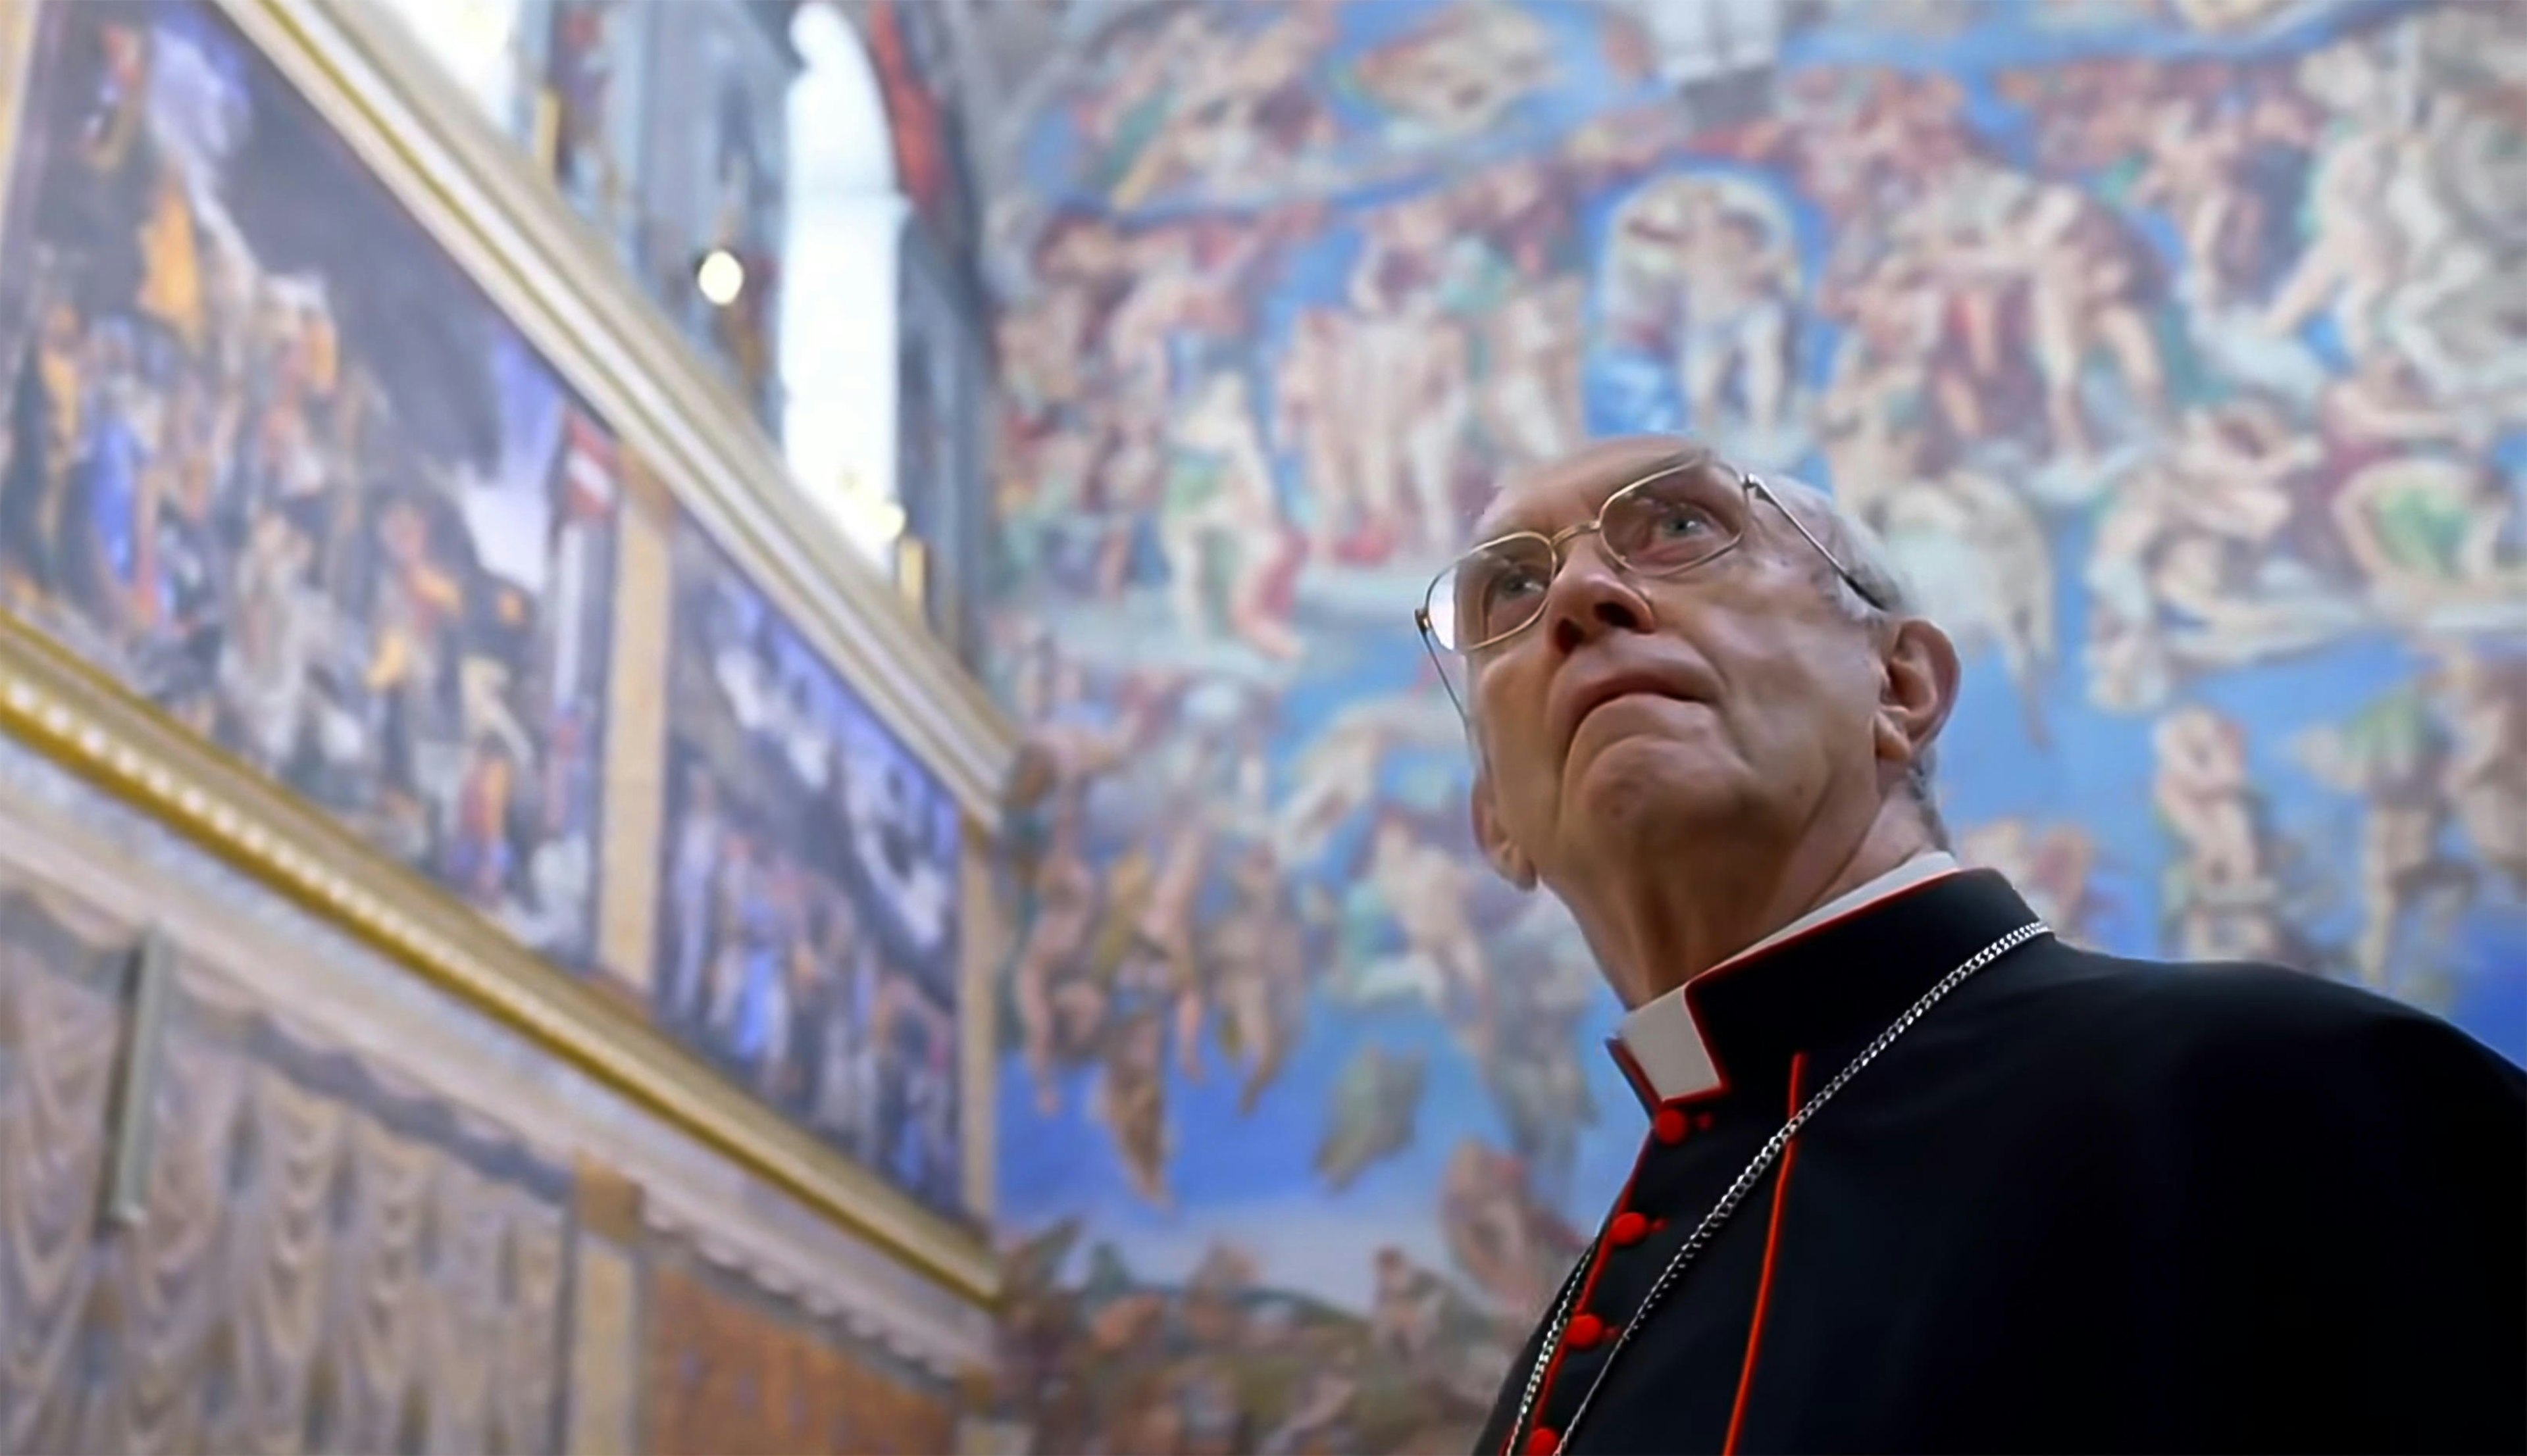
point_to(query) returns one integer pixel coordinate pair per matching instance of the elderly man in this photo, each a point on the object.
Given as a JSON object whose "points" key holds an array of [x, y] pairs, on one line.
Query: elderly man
{"points": [[1919, 1176]]}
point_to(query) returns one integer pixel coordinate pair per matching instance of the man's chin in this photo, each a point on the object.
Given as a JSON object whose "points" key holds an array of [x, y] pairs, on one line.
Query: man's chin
{"points": [[1642, 789]]}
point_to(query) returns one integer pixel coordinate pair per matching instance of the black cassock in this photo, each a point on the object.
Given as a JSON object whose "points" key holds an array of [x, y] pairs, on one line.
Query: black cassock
{"points": [[2083, 1204]]}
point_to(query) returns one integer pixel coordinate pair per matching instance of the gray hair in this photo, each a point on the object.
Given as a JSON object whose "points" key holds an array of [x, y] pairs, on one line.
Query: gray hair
{"points": [[1863, 553]]}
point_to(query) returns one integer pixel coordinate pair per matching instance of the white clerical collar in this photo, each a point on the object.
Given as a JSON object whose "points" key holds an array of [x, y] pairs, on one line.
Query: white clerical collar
{"points": [[1663, 1041]]}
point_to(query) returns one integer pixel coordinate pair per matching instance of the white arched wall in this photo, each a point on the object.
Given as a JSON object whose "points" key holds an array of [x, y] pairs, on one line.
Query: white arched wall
{"points": [[839, 296], [476, 42]]}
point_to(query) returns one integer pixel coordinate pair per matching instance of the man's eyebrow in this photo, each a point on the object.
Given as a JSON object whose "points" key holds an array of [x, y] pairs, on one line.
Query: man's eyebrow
{"points": [[1518, 519]]}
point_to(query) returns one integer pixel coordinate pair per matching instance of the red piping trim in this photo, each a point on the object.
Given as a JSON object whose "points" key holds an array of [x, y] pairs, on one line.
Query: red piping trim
{"points": [[1579, 1305], [1692, 989], [1764, 1288]]}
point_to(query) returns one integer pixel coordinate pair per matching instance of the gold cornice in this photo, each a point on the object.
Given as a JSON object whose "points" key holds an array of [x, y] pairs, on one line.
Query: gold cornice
{"points": [[66, 709], [479, 197]]}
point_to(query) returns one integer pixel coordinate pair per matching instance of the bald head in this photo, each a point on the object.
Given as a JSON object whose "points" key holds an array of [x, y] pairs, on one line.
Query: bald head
{"points": [[1712, 665]]}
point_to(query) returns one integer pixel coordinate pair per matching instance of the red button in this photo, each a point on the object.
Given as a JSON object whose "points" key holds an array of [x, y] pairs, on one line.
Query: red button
{"points": [[1703, 1122], [1628, 1229], [1669, 1125], [1584, 1332], [1544, 1441]]}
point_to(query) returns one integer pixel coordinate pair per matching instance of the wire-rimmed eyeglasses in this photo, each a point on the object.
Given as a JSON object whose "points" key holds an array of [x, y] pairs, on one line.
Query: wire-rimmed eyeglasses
{"points": [[1687, 513]]}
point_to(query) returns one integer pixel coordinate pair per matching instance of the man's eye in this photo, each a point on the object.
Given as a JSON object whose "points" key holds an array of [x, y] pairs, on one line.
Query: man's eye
{"points": [[1678, 521], [1508, 586]]}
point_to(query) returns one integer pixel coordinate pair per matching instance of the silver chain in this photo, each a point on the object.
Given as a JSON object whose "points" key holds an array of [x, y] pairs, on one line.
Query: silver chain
{"points": [[1700, 1238]]}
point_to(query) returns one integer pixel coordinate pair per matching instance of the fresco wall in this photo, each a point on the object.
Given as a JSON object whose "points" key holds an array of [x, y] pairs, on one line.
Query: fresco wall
{"points": [[332, 1250], [274, 462], [811, 868], [2177, 348]]}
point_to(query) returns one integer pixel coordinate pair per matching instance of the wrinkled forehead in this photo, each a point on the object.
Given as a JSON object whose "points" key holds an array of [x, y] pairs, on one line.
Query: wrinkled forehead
{"points": [[1569, 491]]}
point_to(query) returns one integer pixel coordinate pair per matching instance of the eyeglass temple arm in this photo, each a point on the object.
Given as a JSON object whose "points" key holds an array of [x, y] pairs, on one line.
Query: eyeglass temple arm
{"points": [[1756, 482], [1430, 646]]}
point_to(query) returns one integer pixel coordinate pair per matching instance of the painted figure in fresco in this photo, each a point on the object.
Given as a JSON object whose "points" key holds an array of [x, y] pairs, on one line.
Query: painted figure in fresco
{"points": [[2481, 697], [1371, 1117], [1060, 999], [1131, 1101], [1175, 291], [1240, 113], [2053, 865], [1524, 301], [2189, 570], [1161, 960], [2358, 245], [1429, 893], [1321, 1419], [1256, 952], [1534, 1075], [2224, 897], [692, 867], [2393, 755], [1230, 557], [47, 414], [2212, 158], [1459, 72], [1423, 1322], [1700, 265], [1411, 386], [1506, 1239], [1337, 774], [2090, 286]]}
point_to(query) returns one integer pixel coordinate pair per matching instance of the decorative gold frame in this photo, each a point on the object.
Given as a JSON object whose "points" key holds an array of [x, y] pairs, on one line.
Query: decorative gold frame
{"points": [[479, 200]]}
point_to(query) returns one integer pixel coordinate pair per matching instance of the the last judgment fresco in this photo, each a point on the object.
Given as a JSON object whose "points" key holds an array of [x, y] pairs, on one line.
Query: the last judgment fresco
{"points": [[2178, 349]]}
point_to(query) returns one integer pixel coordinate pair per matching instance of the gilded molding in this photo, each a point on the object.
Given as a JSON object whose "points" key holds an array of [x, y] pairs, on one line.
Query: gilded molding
{"points": [[479, 196], [70, 712]]}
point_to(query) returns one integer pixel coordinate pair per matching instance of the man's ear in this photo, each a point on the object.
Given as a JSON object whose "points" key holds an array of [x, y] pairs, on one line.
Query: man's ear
{"points": [[1507, 860], [1919, 692]]}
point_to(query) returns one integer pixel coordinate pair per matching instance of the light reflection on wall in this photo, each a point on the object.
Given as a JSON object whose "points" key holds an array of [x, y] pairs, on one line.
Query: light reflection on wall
{"points": [[478, 42]]}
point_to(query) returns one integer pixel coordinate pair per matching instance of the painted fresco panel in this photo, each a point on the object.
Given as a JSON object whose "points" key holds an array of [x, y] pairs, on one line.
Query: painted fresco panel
{"points": [[2171, 345], [272, 460], [808, 930]]}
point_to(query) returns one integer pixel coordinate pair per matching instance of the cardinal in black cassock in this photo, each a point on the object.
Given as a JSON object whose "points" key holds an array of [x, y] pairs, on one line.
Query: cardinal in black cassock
{"points": [[2083, 1203], [1918, 1176]]}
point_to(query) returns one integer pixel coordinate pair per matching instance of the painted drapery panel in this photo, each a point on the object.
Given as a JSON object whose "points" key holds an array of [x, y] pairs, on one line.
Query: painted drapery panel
{"points": [[2175, 348], [728, 1371], [808, 924], [273, 460], [322, 1263]]}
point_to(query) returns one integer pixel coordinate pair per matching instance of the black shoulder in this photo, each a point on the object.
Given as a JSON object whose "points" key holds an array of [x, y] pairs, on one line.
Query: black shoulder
{"points": [[2237, 1028]]}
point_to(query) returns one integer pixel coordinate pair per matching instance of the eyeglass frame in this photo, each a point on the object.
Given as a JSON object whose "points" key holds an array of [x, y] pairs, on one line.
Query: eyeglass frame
{"points": [[1747, 481]]}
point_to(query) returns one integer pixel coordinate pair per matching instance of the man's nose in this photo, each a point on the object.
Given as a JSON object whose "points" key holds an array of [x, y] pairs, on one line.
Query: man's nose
{"points": [[1591, 598]]}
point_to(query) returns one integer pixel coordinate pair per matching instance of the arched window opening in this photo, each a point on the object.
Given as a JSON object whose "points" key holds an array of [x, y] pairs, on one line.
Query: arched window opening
{"points": [[478, 42], [839, 315]]}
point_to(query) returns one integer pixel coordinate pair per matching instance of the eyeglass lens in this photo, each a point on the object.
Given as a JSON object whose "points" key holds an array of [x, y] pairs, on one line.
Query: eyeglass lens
{"points": [[1660, 527]]}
